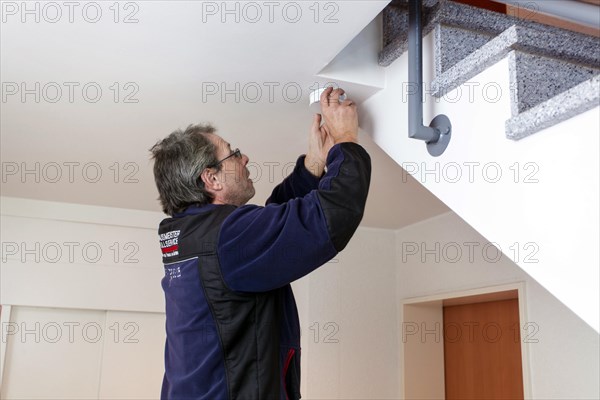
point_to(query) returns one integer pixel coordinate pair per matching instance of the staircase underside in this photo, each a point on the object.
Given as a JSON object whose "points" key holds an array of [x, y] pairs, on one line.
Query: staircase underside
{"points": [[554, 72]]}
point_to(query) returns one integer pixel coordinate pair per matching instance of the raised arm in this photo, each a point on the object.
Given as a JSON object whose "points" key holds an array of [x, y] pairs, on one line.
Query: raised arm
{"points": [[298, 184], [309, 168], [263, 248]]}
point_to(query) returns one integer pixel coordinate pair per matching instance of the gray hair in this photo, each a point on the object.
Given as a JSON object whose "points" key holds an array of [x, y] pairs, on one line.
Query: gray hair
{"points": [[179, 159]]}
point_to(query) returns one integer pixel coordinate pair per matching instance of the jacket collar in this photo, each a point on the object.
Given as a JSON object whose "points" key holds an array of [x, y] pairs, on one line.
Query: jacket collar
{"points": [[196, 209]]}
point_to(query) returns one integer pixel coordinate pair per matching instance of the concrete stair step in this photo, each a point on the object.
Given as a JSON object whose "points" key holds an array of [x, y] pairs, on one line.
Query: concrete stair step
{"points": [[454, 44], [544, 61], [535, 79]]}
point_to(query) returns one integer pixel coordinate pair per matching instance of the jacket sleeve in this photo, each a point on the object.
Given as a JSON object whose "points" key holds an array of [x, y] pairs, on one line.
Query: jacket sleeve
{"points": [[263, 248], [298, 184]]}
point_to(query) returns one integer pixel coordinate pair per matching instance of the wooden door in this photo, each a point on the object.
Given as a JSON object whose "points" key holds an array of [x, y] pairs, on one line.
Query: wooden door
{"points": [[482, 351]]}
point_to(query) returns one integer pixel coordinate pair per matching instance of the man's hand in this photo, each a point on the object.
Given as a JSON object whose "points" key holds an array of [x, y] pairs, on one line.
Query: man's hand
{"points": [[319, 144], [341, 119]]}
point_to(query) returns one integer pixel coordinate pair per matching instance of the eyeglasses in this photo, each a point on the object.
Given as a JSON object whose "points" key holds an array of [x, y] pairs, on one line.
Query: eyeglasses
{"points": [[236, 153]]}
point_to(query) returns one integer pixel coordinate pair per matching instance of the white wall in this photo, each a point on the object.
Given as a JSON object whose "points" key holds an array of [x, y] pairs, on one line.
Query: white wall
{"points": [[563, 350], [347, 308], [355, 294], [550, 208], [86, 317], [64, 353]]}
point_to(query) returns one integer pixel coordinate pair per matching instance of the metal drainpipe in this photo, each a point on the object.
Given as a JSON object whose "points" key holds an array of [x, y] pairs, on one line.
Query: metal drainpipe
{"points": [[437, 135]]}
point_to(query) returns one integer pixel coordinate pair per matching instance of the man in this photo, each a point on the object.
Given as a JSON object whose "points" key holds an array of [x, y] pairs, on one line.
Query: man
{"points": [[232, 324]]}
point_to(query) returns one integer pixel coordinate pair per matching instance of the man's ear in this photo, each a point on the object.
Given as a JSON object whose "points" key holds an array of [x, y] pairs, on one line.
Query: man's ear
{"points": [[211, 181]]}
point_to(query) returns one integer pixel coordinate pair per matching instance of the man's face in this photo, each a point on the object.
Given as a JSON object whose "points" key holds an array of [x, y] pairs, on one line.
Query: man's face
{"points": [[238, 188]]}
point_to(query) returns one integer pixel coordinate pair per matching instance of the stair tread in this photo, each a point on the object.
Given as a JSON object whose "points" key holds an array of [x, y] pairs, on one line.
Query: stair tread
{"points": [[535, 79], [549, 66], [557, 42], [453, 44], [561, 107], [514, 38]]}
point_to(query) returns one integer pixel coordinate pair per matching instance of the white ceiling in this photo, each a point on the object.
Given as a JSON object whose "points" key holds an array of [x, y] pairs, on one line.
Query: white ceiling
{"points": [[170, 58]]}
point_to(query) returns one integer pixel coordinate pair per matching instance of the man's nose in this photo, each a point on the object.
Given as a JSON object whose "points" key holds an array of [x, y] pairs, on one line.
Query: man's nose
{"points": [[245, 159]]}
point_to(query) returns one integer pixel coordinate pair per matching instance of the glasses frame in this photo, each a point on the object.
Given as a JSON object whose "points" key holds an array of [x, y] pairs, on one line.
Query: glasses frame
{"points": [[235, 153]]}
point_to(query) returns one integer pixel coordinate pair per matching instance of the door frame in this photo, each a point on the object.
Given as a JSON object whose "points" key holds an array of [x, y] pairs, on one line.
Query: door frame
{"points": [[421, 356], [4, 321]]}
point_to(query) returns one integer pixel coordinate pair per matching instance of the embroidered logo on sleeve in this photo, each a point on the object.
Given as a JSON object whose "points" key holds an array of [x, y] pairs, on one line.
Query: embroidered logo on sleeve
{"points": [[172, 272], [169, 243]]}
